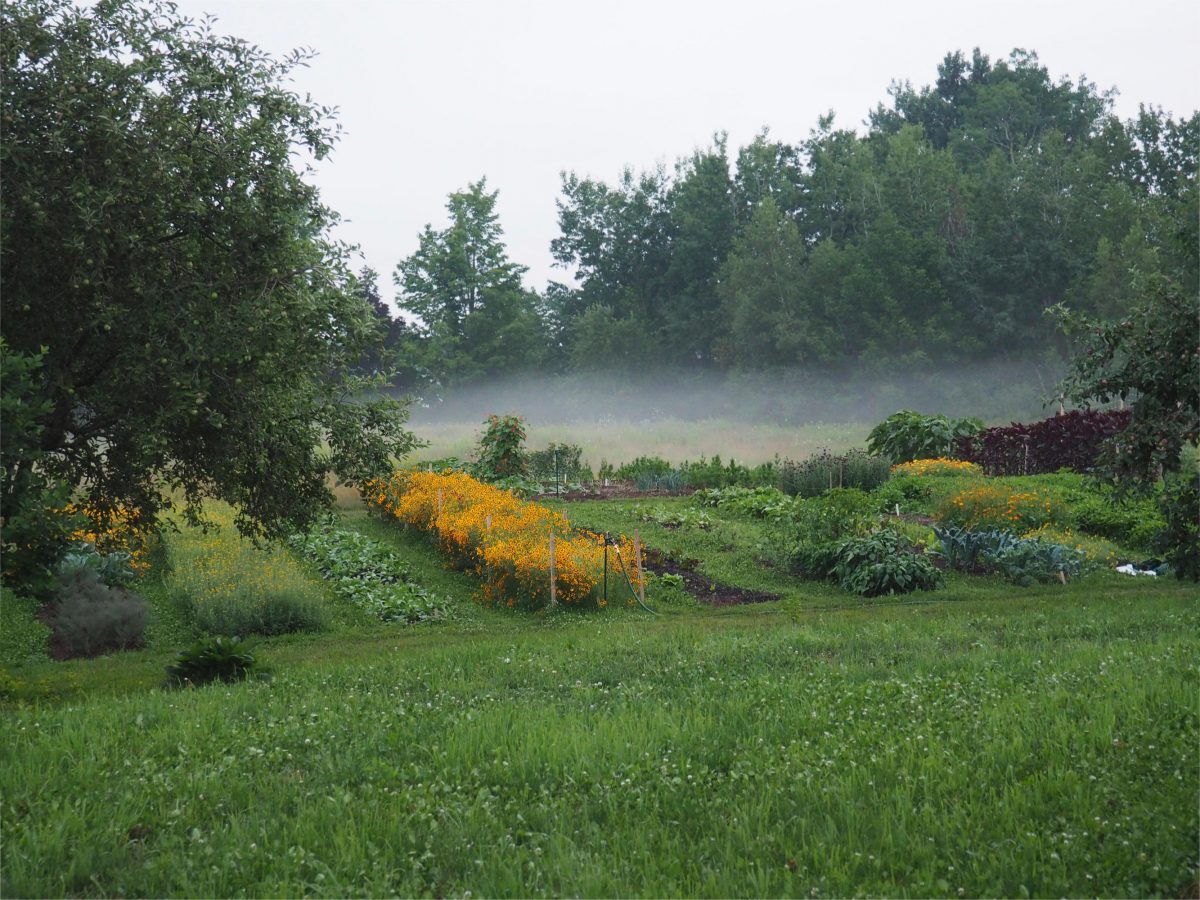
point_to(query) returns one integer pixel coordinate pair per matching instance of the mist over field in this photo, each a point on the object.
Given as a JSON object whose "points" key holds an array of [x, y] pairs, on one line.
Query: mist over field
{"points": [[994, 391], [752, 417]]}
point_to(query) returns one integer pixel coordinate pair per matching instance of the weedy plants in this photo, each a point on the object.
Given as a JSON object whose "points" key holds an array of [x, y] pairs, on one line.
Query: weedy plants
{"points": [[825, 471], [91, 618], [678, 518], [908, 435], [213, 658]]}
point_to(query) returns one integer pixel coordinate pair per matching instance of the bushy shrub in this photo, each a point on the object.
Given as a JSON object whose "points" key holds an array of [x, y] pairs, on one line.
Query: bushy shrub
{"points": [[501, 451], [1132, 521], [908, 435], [824, 471], [213, 658], [90, 618], [880, 564], [1179, 540], [1073, 440]]}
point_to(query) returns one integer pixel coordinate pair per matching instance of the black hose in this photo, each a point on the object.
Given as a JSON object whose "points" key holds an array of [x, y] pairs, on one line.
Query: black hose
{"points": [[636, 596]]}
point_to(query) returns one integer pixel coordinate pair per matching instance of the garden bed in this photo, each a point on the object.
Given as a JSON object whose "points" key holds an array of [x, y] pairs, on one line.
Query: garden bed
{"points": [[703, 589]]}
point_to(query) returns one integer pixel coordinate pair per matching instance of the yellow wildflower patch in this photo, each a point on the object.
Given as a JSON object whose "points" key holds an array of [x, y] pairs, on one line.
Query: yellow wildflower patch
{"points": [[998, 506], [941, 466], [121, 530], [501, 539]]}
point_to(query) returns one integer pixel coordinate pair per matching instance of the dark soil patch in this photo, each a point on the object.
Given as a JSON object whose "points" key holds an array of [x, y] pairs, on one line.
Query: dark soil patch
{"points": [[703, 589]]}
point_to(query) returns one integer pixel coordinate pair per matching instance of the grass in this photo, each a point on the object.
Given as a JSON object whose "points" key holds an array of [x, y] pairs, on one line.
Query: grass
{"points": [[980, 740], [1043, 748], [675, 440]]}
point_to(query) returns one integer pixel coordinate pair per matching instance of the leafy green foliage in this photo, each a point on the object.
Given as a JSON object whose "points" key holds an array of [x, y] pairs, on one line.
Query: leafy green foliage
{"points": [[760, 502], [879, 564], [90, 618], [908, 435], [501, 451], [808, 539], [365, 573], [36, 525], [1179, 540], [197, 319], [824, 471], [112, 568], [1131, 521], [1150, 358], [213, 658], [678, 518], [23, 636]]}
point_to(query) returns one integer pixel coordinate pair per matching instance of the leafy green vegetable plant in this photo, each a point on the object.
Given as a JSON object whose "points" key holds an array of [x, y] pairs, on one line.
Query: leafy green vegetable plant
{"points": [[880, 564], [365, 573], [213, 658], [908, 435]]}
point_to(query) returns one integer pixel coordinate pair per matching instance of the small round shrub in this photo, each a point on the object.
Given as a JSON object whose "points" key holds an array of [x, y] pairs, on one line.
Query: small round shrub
{"points": [[91, 618]]}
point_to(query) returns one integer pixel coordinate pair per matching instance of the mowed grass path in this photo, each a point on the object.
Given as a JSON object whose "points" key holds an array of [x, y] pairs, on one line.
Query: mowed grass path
{"points": [[1033, 743]]}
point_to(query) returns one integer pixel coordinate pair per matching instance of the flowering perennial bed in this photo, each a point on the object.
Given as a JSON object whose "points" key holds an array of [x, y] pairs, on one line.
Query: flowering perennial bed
{"points": [[940, 466], [503, 540]]}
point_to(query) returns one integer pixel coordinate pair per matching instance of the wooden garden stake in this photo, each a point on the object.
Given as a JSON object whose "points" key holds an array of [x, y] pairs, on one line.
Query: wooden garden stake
{"points": [[553, 587], [637, 555], [487, 540]]}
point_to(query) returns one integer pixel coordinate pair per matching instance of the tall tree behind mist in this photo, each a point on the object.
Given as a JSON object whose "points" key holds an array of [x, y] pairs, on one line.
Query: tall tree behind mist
{"points": [[474, 318], [942, 234]]}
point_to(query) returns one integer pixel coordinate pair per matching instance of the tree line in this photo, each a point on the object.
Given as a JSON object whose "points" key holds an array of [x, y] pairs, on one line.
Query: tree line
{"points": [[938, 235]]}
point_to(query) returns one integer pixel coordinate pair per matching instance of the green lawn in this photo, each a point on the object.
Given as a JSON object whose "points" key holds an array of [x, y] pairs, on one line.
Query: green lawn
{"points": [[980, 740]]}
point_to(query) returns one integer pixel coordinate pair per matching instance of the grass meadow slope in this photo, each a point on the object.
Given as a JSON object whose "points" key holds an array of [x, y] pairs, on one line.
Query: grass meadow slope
{"points": [[984, 740]]}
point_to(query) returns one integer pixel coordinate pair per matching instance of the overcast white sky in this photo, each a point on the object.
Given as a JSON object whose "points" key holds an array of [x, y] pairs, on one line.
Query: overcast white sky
{"points": [[434, 94]]}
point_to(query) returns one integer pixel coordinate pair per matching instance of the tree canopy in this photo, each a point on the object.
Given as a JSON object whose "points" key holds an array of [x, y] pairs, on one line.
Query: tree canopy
{"points": [[185, 321]]}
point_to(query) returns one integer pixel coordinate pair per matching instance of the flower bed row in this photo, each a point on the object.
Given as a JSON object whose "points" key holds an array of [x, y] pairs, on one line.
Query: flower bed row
{"points": [[501, 539]]}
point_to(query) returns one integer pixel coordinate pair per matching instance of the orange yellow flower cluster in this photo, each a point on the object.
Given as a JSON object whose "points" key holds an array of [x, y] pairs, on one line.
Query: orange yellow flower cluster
{"points": [[501, 539], [997, 506], [937, 467], [122, 530]]}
